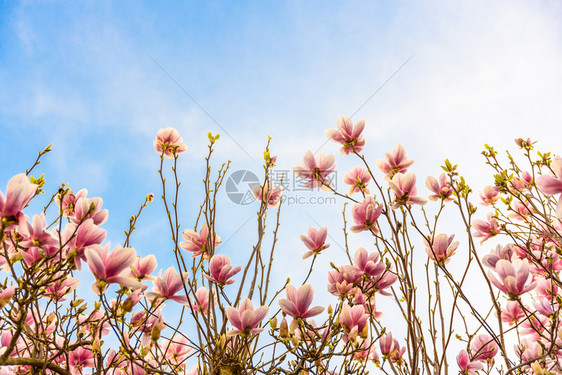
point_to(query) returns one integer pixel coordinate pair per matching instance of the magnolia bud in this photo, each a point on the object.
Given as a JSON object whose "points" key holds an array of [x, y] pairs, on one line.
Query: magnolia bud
{"points": [[284, 329]]}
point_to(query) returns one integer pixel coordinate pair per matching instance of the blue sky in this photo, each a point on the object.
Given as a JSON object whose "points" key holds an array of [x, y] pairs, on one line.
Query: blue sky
{"points": [[80, 75]]}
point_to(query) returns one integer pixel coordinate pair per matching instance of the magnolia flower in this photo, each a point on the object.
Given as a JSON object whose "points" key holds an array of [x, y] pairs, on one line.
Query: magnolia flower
{"points": [[316, 170], [467, 366], [80, 237], [369, 264], [169, 141], [553, 185], [366, 215], [176, 349], [89, 208], [353, 320], [245, 319], [221, 271], [18, 194], [80, 358], [348, 135], [6, 295], [442, 248], [405, 191], [111, 268], [490, 195], [513, 277], [486, 229], [38, 241], [202, 299], [61, 287], [442, 189], [269, 194], [500, 252], [315, 241], [390, 348], [358, 178], [196, 243], [143, 267], [513, 313], [483, 348], [341, 282], [396, 162], [298, 302], [167, 285]]}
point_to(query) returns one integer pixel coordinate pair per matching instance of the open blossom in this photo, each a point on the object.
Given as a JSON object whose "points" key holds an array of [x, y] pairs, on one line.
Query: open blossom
{"points": [[347, 134], [358, 178], [202, 299], [80, 358], [89, 208], [298, 302], [196, 243], [169, 141], [483, 348], [370, 265], [80, 237], [59, 289], [405, 191], [500, 252], [396, 162], [315, 241], [441, 188], [490, 195], [110, 268], [353, 320], [553, 185], [513, 313], [513, 277], [167, 285], [442, 248], [467, 366], [37, 241], [245, 319], [18, 194], [486, 229], [268, 193], [143, 267], [316, 169], [366, 215], [221, 272], [176, 349], [341, 282]]}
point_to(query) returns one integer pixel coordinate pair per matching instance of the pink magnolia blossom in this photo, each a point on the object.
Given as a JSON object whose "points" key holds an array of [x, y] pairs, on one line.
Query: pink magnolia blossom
{"points": [[298, 302], [358, 178], [37, 241], [483, 348], [341, 282], [353, 320], [369, 264], [513, 277], [18, 194], [490, 195], [168, 285], [441, 189], [396, 162], [467, 366], [80, 237], [196, 243], [486, 229], [245, 319], [553, 185], [546, 288], [315, 241], [89, 208], [221, 272], [513, 313], [169, 141], [405, 191], [442, 248], [348, 135], [500, 252], [390, 348], [61, 287], [269, 194], [316, 170], [528, 349], [80, 358], [366, 215], [6, 295], [202, 299], [111, 268], [176, 349], [143, 267], [68, 202]]}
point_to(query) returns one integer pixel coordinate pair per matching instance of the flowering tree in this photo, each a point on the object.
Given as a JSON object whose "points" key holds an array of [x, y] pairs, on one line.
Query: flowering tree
{"points": [[243, 325]]}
